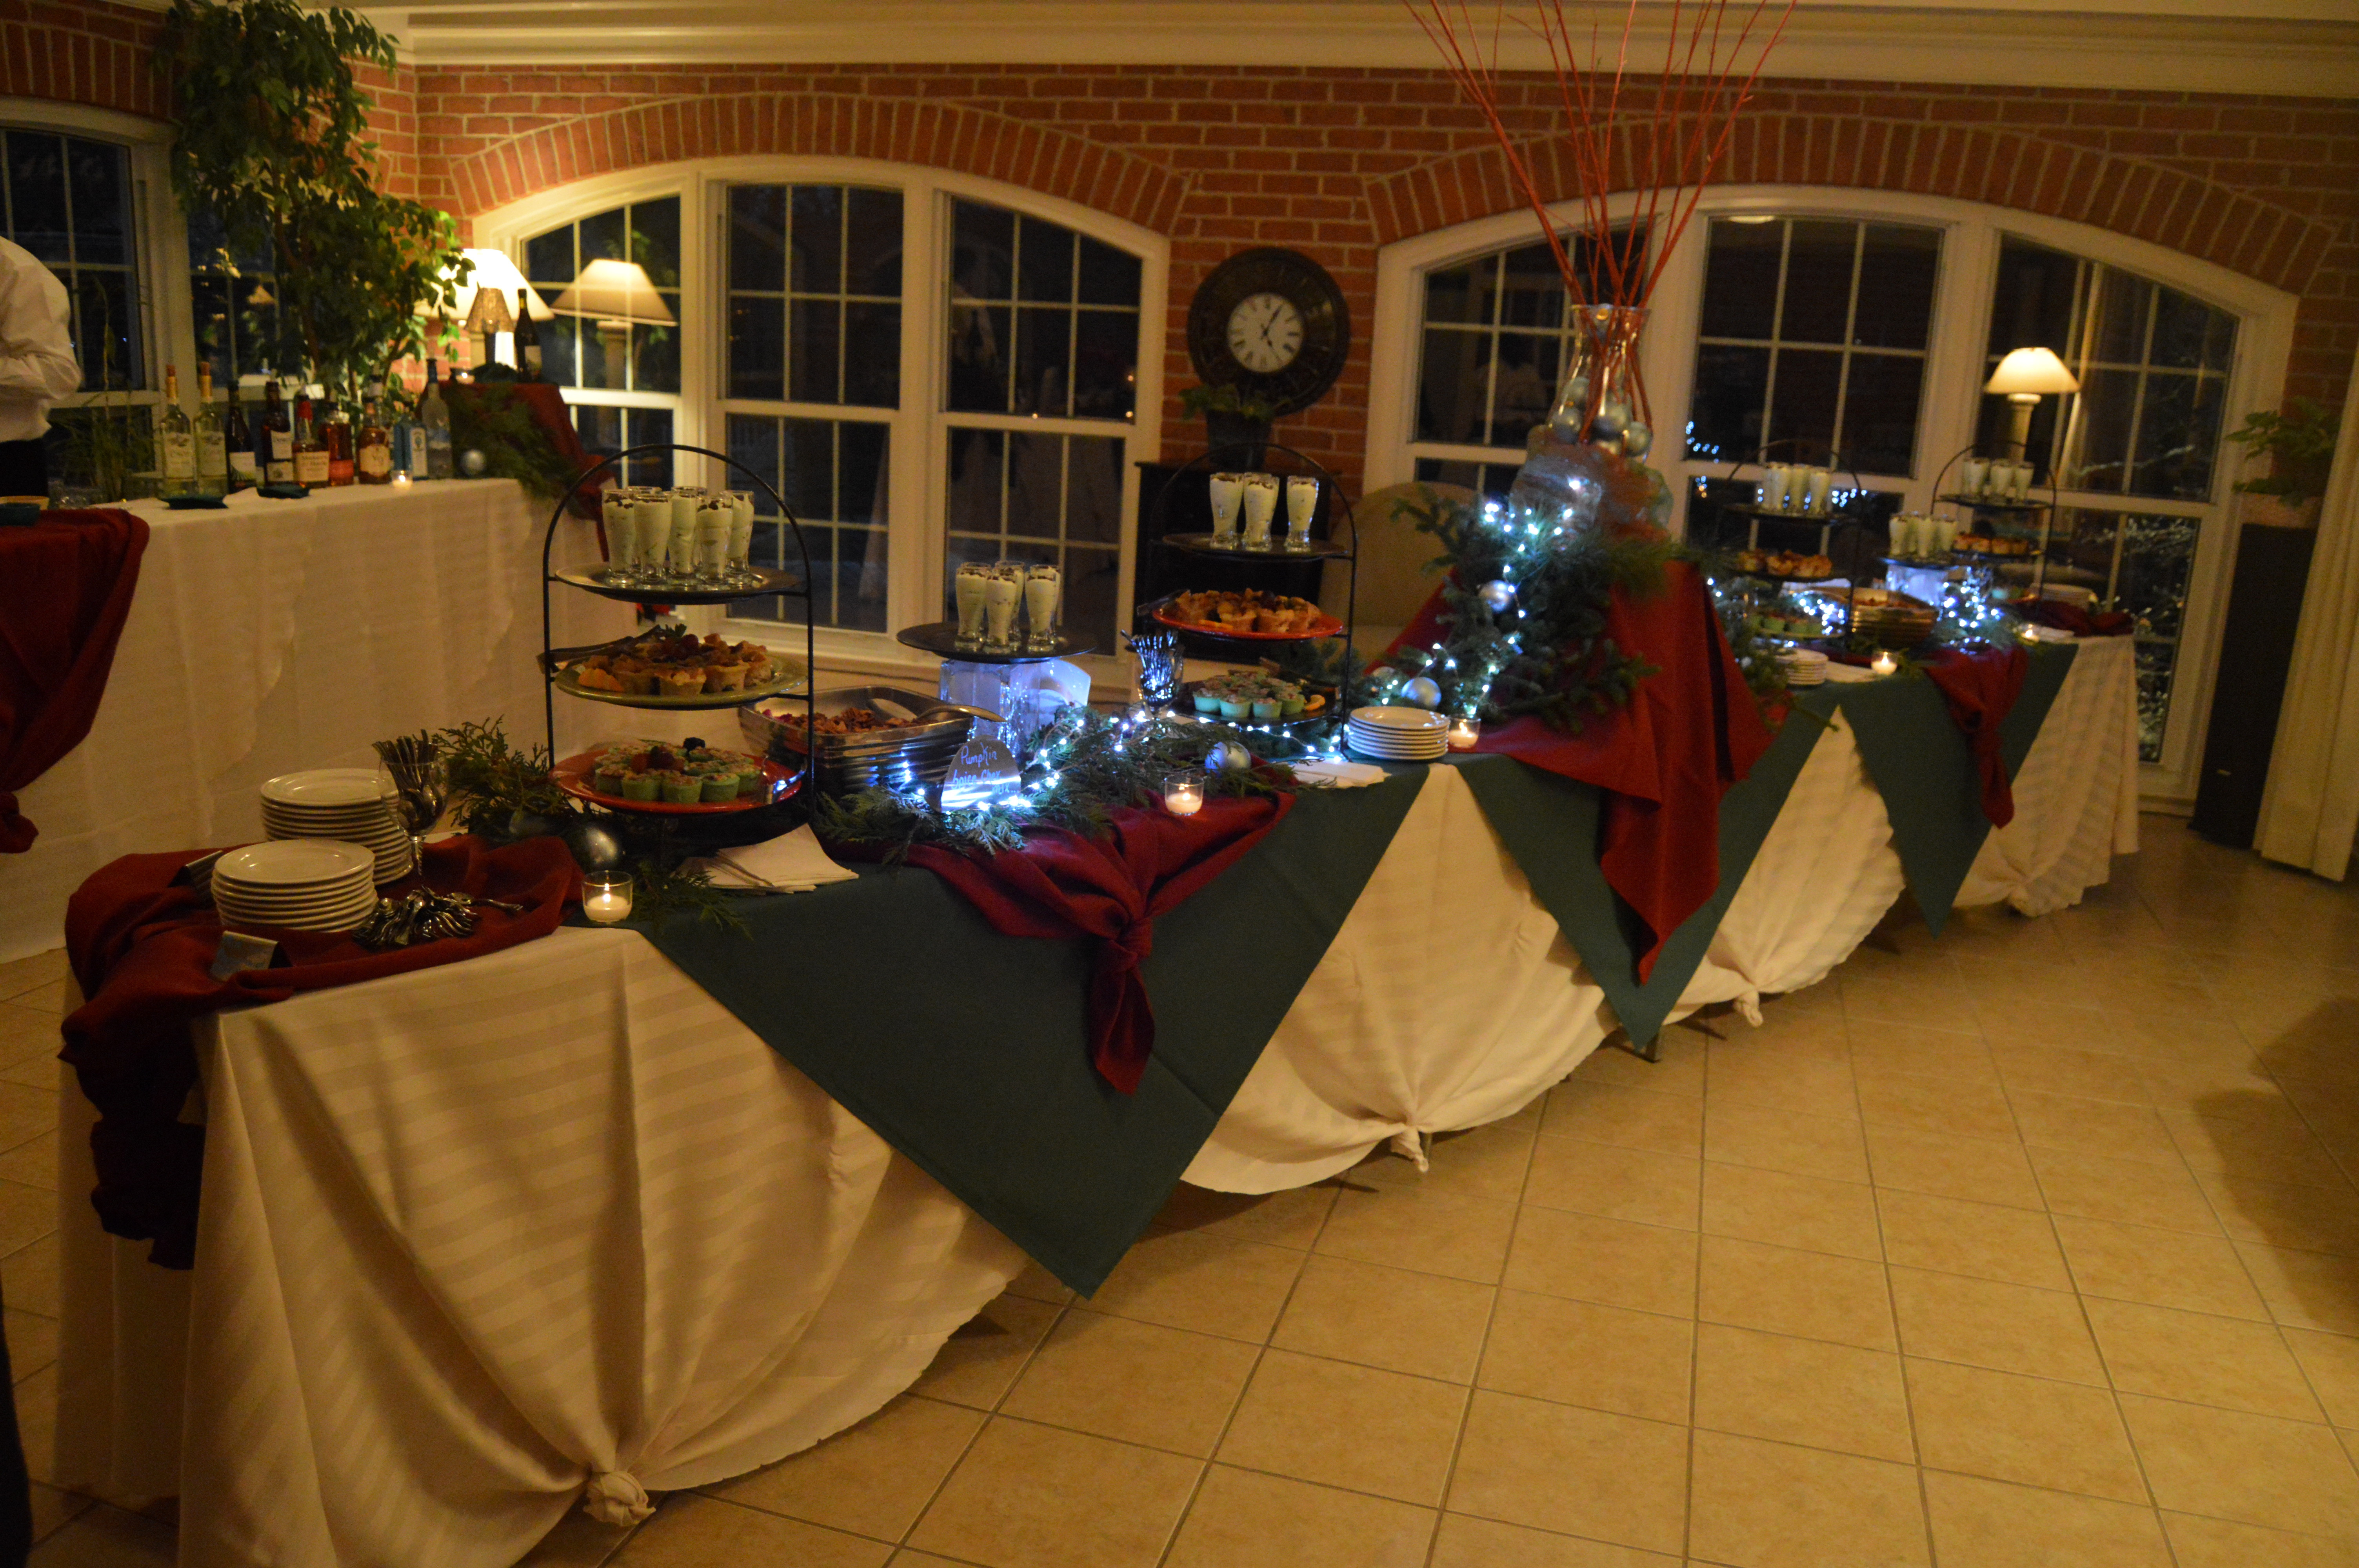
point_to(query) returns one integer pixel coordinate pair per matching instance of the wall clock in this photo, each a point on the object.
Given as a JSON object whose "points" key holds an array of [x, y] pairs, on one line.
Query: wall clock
{"points": [[1270, 322]]}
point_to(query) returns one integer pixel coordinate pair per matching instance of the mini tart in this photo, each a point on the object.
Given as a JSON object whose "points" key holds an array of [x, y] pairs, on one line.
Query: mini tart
{"points": [[682, 789], [607, 777], [719, 786], [724, 675], [681, 683], [641, 786]]}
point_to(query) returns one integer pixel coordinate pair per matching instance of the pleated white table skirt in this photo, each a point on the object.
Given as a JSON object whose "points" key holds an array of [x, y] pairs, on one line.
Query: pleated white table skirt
{"points": [[476, 1237]]}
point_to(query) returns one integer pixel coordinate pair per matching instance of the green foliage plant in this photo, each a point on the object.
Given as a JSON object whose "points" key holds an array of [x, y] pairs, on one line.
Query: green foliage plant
{"points": [[2302, 445], [1233, 401], [269, 136]]}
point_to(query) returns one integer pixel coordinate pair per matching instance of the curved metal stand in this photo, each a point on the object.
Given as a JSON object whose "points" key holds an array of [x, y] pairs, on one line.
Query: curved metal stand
{"points": [[1256, 452], [806, 779]]}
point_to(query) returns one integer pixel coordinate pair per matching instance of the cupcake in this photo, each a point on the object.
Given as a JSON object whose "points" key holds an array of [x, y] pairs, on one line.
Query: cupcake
{"points": [[682, 789], [641, 786]]}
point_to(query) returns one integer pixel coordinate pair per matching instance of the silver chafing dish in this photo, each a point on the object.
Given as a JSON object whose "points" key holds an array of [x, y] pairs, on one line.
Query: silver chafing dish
{"points": [[907, 754]]}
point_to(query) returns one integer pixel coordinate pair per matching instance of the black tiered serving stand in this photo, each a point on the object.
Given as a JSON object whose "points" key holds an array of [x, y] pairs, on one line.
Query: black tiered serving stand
{"points": [[1252, 455], [725, 828], [2038, 515]]}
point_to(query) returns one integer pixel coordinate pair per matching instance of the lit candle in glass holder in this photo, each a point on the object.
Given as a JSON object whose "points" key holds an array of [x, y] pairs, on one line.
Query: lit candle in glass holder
{"points": [[1885, 663], [1183, 793], [606, 897], [1464, 733], [401, 478]]}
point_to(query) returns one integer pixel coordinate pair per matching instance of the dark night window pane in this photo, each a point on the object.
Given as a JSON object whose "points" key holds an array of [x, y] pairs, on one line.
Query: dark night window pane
{"points": [[208, 302], [1895, 286], [873, 242], [979, 359], [815, 352], [810, 472], [649, 427], [872, 355], [2177, 437], [560, 346], [1092, 578], [2108, 402], [1525, 387], [757, 245], [1725, 411], [1819, 264], [655, 240], [1093, 489], [1740, 287], [818, 240], [1108, 276], [99, 177], [37, 194], [1531, 290], [107, 339], [1045, 262], [859, 472], [1044, 341], [983, 250], [2190, 335], [1453, 385], [605, 236], [1461, 294], [1802, 402], [1879, 434], [1106, 365], [548, 261], [753, 440], [976, 463], [2032, 304], [757, 346], [1036, 484], [2116, 334], [655, 353]]}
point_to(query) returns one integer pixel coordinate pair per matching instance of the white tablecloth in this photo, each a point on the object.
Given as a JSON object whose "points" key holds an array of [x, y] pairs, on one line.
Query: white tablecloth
{"points": [[475, 1235], [410, 608]]}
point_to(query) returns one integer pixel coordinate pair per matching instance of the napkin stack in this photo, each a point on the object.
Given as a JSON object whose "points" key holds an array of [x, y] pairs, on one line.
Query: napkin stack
{"points": [[792, 862], [1338, 775]]}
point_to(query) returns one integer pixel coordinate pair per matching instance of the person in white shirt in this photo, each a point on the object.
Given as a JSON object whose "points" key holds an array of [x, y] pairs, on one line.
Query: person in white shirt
{"points": [[37, 367]]}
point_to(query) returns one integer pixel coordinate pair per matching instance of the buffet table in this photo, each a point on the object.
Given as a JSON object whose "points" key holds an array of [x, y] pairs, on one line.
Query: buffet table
{"points": [[271, 636], [477, 1237]]}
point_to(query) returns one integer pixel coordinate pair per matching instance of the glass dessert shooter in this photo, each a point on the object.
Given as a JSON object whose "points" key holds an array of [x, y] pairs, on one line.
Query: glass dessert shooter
{"points": [[684, 503], [1261, 505], [741, 538], [1228, 493], [971, 591], [1301, 501], [619, 511], [1003, 595], [1044, 589]]}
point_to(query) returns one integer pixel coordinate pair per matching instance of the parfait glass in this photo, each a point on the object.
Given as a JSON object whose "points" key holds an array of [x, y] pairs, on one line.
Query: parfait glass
{"points": [[1228, 493], [1301, 501], [714, 517], [685, 500], [741, 539], [971, 588], [619, 511], [1003, 596], [1044, 587], [1261, 505]]}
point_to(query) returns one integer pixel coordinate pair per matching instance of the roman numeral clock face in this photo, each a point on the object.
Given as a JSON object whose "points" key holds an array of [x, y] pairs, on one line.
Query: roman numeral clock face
{"points": [[1271, 323]]}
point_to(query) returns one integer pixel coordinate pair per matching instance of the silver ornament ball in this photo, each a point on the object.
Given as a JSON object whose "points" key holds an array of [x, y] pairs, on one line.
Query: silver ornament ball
{"points": [[1422, 692], [1498, 595], [472, 462]]}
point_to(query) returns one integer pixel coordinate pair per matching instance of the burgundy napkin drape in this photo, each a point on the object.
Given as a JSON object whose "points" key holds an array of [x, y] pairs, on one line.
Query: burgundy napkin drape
{"points": [[1981, 688], [2072, 618], [140, 948], [65, 591], [1689, 731], [1062, 886]]}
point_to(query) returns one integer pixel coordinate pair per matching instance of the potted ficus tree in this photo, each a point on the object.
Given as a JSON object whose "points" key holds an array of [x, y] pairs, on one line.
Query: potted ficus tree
{"points": [[270, 140], [2301, 447]]}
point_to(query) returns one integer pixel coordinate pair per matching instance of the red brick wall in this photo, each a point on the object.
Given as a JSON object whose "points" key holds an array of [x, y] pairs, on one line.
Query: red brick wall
{"points": [[80, 51], [1337, 163]]}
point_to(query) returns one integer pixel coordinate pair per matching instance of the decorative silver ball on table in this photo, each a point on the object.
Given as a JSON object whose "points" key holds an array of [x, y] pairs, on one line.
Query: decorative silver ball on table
{"points": [[472, 462], [1423, 691], [1498, 595]]}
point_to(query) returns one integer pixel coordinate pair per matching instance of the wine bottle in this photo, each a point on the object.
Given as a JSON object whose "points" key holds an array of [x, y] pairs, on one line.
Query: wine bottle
{"points": [[434, 418], [527, 339], [213, 440], [176, 439], [277, 434], [336, 434], [310, 452], [245, 456], [373, 444]]}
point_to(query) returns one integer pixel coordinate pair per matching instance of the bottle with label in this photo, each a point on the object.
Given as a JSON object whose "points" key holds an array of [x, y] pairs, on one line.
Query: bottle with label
{"points": [[212, 437], [373, 444], [176, 439], [434, 419], [245, 456], [277, 434], [310, 450], [336, 435], [527, 339]]}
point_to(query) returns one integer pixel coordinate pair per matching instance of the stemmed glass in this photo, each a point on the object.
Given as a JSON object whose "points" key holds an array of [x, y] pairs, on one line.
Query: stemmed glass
{"points": [[421, 786]]}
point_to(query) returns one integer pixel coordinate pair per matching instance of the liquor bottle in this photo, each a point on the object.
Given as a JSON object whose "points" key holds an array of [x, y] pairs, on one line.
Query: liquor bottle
{"points": [[310, 452], [175, 438], [434, 418], [528, 340], [277, 434], [213, 440], [336, 435], [372, 445], [245, 456]]}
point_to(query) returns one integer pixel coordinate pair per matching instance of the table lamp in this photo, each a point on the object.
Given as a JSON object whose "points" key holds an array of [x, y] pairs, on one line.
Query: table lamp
{"points": [[490, 316], [496, 277], [2023, 378], [616, 293]]}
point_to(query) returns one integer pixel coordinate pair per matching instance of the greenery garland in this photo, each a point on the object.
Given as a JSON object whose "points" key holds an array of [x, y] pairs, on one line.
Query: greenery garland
{"points": [[489, 418]]}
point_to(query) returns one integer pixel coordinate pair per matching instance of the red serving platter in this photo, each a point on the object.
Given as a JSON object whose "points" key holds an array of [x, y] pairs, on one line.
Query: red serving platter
{"points": [[1326, 626], [573, 777]]}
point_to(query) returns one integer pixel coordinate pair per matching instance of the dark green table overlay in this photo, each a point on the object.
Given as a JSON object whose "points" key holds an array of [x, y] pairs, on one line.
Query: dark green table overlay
{"points": [[1924, 770], [965, 1050]]}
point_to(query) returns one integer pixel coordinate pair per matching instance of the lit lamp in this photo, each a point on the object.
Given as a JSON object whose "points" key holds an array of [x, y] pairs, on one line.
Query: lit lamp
{"points": [[2024, 377], [482, 301], [490, 316], [616, 293]]}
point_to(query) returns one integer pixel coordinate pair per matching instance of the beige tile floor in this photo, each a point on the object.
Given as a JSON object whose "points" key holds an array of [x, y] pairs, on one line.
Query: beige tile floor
{"points": [[2035, 1244]]}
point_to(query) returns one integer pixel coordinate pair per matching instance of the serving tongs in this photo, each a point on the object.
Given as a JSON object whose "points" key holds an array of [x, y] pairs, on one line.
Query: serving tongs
{"points": [[891, 709]]}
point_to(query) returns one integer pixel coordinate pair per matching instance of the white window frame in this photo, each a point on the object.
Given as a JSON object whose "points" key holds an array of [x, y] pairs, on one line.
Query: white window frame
{"points": [[918, 442], [1947, 415]]}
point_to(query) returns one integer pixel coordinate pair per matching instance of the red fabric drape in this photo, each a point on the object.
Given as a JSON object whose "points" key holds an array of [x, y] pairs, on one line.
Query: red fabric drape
{"points": [[1981, 688], [66, 585], [1689, 731], [1062, 886], [141, 949], [2073, 619]]}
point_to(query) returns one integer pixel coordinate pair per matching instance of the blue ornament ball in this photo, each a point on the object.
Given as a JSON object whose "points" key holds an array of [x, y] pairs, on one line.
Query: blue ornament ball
{"points": [[1498, 595], [1422, 692]]}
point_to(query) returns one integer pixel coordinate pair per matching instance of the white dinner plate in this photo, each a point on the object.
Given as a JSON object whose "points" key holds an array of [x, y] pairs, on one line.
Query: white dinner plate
{"points": [[329, 787], [1401, 720], [295, 863], [349, 909], [1413, 753]]}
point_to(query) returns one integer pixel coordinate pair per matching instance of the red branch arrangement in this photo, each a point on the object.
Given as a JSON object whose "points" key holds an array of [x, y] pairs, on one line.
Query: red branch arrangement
{"points": [[1696, 101]]}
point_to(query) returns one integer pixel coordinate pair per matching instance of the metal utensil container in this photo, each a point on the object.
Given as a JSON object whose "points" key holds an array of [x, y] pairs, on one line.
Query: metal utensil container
{"points": [[908, 755]]}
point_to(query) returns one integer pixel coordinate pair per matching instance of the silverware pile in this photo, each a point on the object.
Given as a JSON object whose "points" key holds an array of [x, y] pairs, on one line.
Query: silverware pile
{"points": [[416, 916]]}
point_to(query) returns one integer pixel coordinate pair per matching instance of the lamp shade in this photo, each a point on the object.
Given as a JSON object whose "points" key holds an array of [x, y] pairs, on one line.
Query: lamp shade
{"points": [[2030, 372], [489, 313], [494, 270], [608, 288]]}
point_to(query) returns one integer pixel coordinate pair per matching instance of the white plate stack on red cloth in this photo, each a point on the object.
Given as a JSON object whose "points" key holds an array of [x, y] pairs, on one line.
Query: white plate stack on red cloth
{"points": [[306, 884], [1398, 734], [1804, 667], [351, 805]]}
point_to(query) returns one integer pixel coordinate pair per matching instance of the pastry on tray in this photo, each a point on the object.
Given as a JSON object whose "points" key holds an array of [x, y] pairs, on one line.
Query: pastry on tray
{"points": [[1271, 614], [678, 776], [665, 663], [851, 721]]}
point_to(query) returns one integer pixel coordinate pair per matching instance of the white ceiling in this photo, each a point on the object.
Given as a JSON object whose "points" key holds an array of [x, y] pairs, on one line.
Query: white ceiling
{"points": [[2298, 47]]}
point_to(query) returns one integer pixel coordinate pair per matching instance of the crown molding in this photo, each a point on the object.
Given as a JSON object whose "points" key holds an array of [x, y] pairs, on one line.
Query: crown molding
{"points": [[2296, 48]]}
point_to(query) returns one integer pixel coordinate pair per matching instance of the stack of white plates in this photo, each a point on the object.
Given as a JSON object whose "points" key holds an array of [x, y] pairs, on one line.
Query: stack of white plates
{"points": [[1804, 667], [352, 806], [308, 885], [1398, 734]]}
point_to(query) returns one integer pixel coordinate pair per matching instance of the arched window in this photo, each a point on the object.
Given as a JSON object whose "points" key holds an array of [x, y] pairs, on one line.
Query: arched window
{"points": [[1859, 327], [930, 369]]}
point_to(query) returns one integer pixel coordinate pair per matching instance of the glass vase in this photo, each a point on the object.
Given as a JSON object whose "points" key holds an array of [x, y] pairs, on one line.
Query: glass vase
{"points": [[1597, 415]]}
